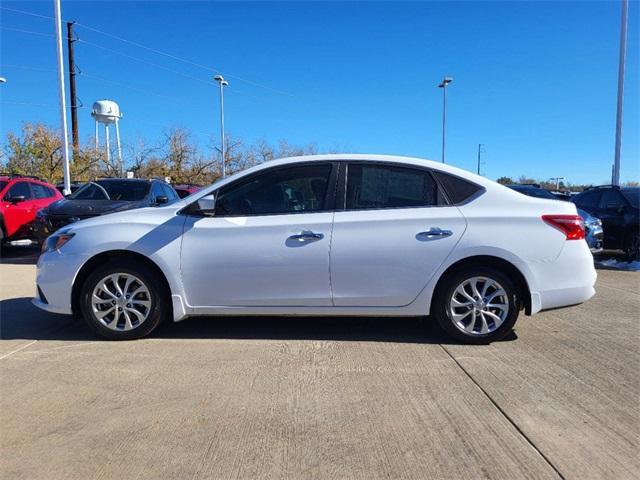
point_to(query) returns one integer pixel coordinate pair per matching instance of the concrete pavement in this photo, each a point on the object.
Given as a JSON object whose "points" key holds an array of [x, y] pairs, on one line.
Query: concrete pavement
{"points": [[321, 398]]}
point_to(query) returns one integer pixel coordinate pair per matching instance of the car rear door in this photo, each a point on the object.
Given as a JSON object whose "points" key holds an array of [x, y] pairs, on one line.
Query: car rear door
{"points": [[268, 242], [391, 233]]}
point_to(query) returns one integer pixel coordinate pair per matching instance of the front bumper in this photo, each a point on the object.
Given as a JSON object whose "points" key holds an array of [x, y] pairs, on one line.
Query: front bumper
{"points": [[595, 238], [56, 272]]}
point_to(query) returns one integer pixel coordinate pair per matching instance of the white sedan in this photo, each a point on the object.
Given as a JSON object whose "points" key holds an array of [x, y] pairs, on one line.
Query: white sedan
{"points": [[348, 235]]}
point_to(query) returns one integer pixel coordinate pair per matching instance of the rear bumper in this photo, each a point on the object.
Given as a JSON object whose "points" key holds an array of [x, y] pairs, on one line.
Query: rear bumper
{"points": [[569, 280]]}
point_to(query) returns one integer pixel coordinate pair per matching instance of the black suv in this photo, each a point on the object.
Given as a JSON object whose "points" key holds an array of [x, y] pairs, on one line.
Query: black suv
{"points": [[101, 197], [619, 210]]}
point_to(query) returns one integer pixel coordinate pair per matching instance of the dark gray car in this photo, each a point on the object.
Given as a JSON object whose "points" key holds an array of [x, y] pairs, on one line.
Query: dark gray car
{"points": [[101, 197]]}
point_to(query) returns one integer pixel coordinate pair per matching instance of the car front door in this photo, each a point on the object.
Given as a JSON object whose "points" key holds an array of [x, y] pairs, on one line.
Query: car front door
{"points": [[18, 212], [267, 243], [394, 231]]}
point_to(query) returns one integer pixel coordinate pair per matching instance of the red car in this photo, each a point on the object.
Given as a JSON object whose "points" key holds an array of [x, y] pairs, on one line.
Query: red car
{"points": [[186, 189], [20, 199]]}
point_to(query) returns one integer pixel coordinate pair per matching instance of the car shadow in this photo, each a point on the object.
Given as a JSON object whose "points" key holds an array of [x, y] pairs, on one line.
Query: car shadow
{"points": [[19, 319], [19, 256]]}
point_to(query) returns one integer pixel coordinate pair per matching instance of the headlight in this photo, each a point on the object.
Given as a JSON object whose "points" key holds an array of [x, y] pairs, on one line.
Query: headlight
{"points": [[56, 241]]}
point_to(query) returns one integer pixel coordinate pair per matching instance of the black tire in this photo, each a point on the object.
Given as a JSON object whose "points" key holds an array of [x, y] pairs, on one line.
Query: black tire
{"points": [[632, 247], [443, 298], [159, 310]]}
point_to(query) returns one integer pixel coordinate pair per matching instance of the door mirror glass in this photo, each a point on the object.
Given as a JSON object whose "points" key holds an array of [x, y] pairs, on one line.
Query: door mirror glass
{"points": [[161, 200], [207, 205]]}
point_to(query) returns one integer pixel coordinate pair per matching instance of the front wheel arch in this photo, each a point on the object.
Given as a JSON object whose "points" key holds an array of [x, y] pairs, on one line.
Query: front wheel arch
{"points": [[107, 257], [497, 263]]}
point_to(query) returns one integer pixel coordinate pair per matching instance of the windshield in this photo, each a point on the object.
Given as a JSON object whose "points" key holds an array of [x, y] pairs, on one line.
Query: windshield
{"points": [[3, 184], [127, 191], [633, 195]]}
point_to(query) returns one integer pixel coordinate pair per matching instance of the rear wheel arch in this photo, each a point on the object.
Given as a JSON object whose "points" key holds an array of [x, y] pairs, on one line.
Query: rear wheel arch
{"points": [[500, 264], [107, 257]]}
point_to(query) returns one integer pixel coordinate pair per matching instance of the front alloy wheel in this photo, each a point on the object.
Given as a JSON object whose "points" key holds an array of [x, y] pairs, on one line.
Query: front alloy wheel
{"points": [[124, 300], [121, 301]]}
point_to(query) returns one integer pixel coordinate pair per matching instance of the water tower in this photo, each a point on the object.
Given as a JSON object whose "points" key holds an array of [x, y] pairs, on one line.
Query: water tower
{"points": [[107, 112]]}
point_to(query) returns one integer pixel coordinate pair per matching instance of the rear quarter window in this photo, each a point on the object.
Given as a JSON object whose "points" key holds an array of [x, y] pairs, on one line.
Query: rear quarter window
{"points": [[457, 189]]}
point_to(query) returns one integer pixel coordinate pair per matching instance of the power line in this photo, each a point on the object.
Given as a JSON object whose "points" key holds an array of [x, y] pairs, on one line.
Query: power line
{"points": [[180, 59], [33, 104], [141, 60], [156, 51], [134, 88], [31, 32], [27, 67], [24, 12]]}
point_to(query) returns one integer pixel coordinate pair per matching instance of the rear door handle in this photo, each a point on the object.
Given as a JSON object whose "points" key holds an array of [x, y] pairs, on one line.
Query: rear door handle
{"points": [[435, 232], [307, 236]]}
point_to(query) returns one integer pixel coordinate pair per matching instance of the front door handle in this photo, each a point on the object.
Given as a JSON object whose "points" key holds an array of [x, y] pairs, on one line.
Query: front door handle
{"points": [[435, 232], [307, 236]]}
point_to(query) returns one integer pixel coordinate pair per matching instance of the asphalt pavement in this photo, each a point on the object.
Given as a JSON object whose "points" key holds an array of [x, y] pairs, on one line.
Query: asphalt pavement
{"points": [[343, 398]]}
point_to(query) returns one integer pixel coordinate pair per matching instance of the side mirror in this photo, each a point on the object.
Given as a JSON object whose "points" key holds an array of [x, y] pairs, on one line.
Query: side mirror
{"points": [[16, 199], [161, 200], [207, 205]]}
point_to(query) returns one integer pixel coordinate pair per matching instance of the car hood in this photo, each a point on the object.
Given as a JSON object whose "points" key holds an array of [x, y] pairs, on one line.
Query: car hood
{"points": [[147, 215], [89, 208]]}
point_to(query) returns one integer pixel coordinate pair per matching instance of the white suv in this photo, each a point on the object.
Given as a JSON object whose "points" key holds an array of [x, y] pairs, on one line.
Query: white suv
{"points": [[325, 235]]}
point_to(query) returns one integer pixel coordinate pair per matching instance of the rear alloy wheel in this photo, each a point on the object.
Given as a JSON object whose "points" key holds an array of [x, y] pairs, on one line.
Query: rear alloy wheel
{"points": [[477, 306], [121, 302]]}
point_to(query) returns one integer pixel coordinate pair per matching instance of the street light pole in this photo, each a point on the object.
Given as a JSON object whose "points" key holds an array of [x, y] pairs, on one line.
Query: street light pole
{"points": [[223, 83], [557, 179], [443, 85], [615, 177], [63, 108]]}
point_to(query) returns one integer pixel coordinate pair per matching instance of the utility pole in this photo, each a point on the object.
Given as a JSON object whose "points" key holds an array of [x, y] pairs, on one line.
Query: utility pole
{"points": [[72, 89], [615, 177], [479, 149], [63, 108]]}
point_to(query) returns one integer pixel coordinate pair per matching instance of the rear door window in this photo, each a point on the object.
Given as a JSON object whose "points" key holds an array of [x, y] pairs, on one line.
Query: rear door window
{"points": [[588, 199], [457, 189], [373, 186], [40, 191], [611, 200]]}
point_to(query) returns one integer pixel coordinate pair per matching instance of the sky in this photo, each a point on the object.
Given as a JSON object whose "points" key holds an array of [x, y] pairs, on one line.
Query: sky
{"points": [[534, 82]]}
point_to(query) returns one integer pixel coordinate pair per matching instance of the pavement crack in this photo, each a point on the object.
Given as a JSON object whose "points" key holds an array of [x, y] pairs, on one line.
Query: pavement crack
{"points": [[505, 414]]}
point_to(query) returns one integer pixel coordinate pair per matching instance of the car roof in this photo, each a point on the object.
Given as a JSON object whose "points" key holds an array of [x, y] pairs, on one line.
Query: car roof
{"points": [[345, 157], [130, 180]]}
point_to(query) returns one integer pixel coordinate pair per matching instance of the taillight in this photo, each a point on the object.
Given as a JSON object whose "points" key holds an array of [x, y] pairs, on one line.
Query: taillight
{"points": [[571, 225]]}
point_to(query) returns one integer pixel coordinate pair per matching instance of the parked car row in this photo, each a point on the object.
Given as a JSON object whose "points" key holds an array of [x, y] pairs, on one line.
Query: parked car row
{"points": [[30, 209], [610, 213]]}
